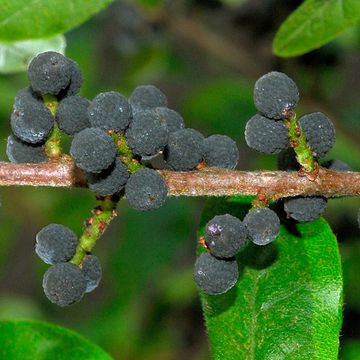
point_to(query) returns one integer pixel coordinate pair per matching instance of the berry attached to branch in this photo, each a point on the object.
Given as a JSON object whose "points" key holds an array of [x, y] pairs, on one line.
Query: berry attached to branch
{"points": [[64, 284], [275, 94], [146, 190], [263, 225], [221, 151], [93, 150], [215, 276], [184, 150], [225, 236], [304, 209], [91, 269], [265, 135], [319, 132], [55, 243]]}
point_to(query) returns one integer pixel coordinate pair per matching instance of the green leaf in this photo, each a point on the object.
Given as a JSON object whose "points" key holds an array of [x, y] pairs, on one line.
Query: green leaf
{"points": [[34, 19], [313, 24], [287, 303], [29, 340], [15, 56]]}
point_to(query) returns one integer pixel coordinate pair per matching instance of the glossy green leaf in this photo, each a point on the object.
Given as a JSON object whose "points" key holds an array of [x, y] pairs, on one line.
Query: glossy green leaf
{"points": [[34, 19], [29, 340], [313, 24], [287, 301], [15, 56]]}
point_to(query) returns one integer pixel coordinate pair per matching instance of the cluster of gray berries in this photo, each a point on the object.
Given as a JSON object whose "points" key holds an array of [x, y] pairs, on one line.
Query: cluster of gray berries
{"points": [[110, 127], [65, 283], [216, 270], [150, 130], [275, 98]]}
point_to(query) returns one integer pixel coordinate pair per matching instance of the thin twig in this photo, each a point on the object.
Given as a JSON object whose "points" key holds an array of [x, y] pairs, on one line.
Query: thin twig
{"points": [[207, 182]]}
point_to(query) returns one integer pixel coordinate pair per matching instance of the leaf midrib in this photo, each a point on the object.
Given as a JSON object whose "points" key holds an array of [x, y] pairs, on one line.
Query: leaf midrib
{"points": [[254, 322]]}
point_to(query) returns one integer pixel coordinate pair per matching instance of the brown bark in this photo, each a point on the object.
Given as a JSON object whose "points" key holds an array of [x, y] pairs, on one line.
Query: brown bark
{"points": [[207, 182]]}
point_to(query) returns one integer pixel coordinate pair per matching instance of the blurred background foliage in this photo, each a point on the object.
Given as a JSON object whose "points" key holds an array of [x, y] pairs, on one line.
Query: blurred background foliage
{"points": [[205, 55]]}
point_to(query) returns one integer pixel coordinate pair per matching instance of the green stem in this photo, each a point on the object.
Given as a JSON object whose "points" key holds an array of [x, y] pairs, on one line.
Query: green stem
{"points": [[125, 153], [53, 144], [53, 148], [51, 103], [95, 227], [298, 141]]}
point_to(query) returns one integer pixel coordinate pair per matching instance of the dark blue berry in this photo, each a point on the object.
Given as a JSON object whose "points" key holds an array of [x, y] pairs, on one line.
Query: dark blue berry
{"points": [[71, 115], [21, 152], [304, 209], [275, 94], [55, 243], [184, 150], [225, 236], [109, 181], [146, 190], [266, 136], [93, 150], [263, 225], [64, 284], [221, 151], [110, 110], [50, 73], [215, 276]]}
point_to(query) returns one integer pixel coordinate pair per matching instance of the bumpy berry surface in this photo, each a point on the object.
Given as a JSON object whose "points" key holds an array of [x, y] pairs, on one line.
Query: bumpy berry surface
{"points": [[55, 243], [266, 136], [221, 151], [71, 115], [319, 132], [50, 73], [287, 160], [146, 135], [109, 181], [215, 276], [93, 150], [146, 190], [147, 97], [337, 165], [110, 110], [64, 284], [304, 209], [20, 152], [184, 150], [263, 225], [76, 79], [91, 269], [170, 118], [30, 120], [225, 236], [274, 94]]}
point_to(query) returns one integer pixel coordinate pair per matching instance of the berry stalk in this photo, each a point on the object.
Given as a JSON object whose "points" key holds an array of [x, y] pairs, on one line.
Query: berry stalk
{"points": [[125, 153], [95, 226], [298, 142], [53, 144]]}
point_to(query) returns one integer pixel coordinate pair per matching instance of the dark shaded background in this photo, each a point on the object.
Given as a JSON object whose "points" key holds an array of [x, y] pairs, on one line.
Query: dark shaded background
{"points": [[205, 55]]}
